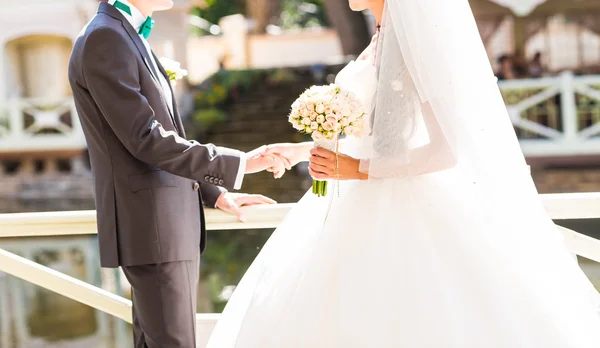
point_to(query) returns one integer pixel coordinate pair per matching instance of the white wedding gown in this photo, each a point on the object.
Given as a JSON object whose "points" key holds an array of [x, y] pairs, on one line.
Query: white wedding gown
{"points": [[404, 263]]}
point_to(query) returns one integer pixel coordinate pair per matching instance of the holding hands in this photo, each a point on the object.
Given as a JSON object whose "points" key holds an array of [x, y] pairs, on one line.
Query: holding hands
{"points": [[277, 158], [263, 158]]}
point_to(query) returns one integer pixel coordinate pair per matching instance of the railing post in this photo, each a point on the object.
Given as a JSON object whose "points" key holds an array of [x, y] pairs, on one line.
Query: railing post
{"points": [[15, 115], [4, 310], [121, 331], [93, 275], [20, 318], [3, 80], [568, 106]]}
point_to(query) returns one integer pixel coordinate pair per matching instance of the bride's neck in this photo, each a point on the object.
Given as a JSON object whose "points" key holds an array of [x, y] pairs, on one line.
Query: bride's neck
{"points": [[377, 10]]}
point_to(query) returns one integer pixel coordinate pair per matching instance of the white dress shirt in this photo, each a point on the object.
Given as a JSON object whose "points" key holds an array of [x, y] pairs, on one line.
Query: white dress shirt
{"points": [[136, 19]]}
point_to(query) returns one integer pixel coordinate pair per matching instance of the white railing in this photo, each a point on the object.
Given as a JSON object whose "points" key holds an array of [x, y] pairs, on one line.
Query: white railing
{"points": [[555, 116], [84, 223], [558, 206], [29, 121]]}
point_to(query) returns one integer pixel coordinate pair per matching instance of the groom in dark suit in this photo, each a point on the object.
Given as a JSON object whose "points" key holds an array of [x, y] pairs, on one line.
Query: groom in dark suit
{"points": [[150, 182]]}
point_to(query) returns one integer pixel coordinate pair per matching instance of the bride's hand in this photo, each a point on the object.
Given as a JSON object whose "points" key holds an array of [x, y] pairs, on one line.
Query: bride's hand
{"points": [[322, 166], [279, 165], [290, 154]]}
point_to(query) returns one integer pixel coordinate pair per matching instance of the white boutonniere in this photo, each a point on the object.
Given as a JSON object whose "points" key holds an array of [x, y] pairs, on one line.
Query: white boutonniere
{"points": [[173, 69]]}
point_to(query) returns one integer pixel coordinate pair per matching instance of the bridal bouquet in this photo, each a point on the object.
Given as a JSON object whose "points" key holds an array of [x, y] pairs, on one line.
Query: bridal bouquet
{"points": [[326, 112]]}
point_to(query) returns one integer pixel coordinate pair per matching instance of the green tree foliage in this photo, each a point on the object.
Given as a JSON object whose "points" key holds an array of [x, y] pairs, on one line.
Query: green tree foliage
{"points": [[214, 10], [303, 14], [294, 13]]}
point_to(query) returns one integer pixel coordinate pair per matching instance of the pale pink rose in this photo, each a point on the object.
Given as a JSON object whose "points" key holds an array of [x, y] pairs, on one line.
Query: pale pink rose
{"points": [[344, 121], [317, 136], [297, 104], [320, 108], [310, 106], [304, 112], [320, 118], [328, 126], [314, 125], [349, 130], [338, 115], [331, 118], [299, 126], [306, 121], [313, 115], [328, 110], [337, 105], [346, 110]]}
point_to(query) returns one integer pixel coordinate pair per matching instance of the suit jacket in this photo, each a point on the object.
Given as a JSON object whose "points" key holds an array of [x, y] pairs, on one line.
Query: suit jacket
{"points": [[149, 180]]}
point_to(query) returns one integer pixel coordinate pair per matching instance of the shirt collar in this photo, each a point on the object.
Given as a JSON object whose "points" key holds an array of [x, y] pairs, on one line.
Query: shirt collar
{"points": [[136, 19]]}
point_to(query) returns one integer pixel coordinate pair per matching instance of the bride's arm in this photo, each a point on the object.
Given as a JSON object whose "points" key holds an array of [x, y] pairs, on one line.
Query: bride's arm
{"points": [[295, 152], [432, 157]]}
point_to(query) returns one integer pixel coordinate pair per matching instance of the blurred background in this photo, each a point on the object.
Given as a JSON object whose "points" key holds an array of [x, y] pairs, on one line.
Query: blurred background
{"points": [[248, 60]]}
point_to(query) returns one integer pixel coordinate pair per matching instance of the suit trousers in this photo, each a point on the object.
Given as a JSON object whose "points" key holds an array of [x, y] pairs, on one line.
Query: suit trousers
{"points": [[164, 303]]}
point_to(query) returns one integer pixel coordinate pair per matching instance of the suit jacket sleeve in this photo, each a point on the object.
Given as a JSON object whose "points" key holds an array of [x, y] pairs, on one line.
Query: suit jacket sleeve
{"points": [[210, 194], [111, 74]]}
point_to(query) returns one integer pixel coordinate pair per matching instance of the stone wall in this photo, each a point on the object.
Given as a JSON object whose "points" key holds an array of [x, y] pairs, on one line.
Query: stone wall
{"points": [[564, 180]]}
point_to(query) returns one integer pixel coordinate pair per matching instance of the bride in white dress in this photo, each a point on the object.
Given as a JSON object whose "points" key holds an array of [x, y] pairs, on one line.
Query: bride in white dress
{"points": [[437, 238]]}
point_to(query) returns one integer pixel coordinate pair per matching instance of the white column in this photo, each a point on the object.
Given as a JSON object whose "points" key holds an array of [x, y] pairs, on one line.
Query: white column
{"points": [[4, 108], [121, 330], [27, 167], [3, 75], [50, 166], [20, 311], [77, 166], [94, 277], [4, 310], [568, 106], [235, 34]]}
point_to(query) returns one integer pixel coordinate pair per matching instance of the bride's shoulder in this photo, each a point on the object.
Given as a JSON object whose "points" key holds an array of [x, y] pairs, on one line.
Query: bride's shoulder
{"points": [[367, 53]]}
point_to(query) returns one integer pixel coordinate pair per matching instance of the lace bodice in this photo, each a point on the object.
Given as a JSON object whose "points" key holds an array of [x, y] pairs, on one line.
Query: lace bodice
{"points": [[360, 77]]}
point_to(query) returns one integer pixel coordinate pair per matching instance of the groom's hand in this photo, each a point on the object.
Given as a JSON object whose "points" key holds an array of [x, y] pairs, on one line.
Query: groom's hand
{"points": [[289, 153], [258, 160], [233, 202]]}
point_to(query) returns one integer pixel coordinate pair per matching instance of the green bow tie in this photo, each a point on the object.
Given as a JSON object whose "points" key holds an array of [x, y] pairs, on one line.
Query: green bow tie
{"points": [[145, 28]]}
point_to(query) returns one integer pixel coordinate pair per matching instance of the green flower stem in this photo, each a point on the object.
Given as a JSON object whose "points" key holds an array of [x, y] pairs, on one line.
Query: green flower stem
{"points": [[319, 188]]}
